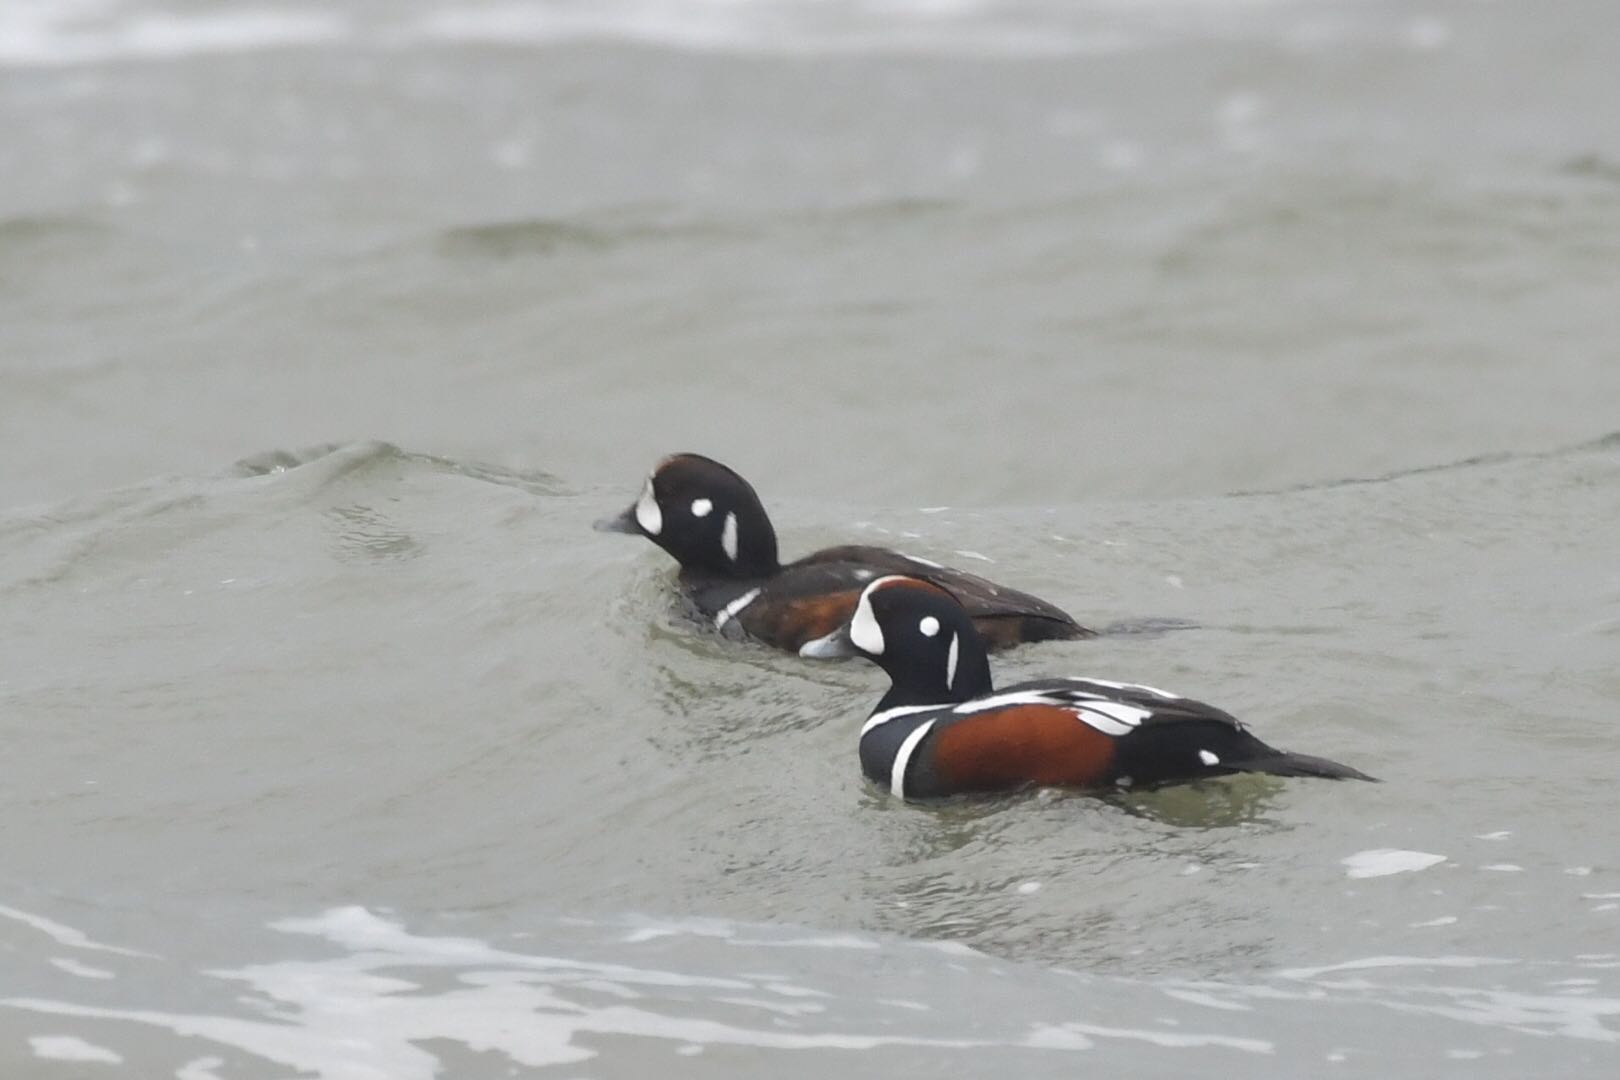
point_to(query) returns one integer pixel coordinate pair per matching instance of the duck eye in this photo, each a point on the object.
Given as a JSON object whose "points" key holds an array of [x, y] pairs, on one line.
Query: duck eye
{"points": [[701, 507], [929, 626]]}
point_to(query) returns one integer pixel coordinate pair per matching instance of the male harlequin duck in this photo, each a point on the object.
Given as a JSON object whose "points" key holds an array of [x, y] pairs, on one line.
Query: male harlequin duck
{"points": [[711, 520], [942, 729]]}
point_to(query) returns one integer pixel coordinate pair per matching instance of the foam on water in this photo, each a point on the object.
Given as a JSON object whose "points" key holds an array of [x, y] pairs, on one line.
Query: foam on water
{"points": [[44, 32], [47, 32], [1381, 862], [71, 1048], [388, 1000]]}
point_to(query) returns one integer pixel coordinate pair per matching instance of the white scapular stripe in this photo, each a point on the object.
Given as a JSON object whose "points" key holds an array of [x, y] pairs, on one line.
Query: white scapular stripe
{"points": [[648, 515], [897, 775], [1208, 758], [1110, 717], [1001, 701], [730, 611], [728, 536], [1114, 718], [1110, 684]]}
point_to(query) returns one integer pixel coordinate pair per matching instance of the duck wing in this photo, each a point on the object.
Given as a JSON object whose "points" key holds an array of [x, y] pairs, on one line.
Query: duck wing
{"points": [[1155, 736], [1005, 616]]}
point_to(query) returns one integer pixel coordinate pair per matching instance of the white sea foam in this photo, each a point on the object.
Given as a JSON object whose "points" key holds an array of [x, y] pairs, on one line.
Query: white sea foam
{"points": [[62, 935], [71, 1048], [59, 32], [82, 970], [412, 991], [1380, 862]]}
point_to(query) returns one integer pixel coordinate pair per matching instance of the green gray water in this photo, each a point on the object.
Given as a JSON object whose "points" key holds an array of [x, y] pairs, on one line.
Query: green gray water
{"points": [[336, 743]]}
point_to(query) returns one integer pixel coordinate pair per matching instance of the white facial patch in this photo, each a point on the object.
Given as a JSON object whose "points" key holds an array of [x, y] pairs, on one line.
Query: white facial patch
{"points": [[864, 630], [648, 515], [950, 662], [728, 536], [701, 507], [929, 626], [1208, 758]]}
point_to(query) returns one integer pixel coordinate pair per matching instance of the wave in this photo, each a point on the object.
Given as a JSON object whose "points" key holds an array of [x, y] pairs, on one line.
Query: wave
{"points": [[68, 32], [1599, 444], [609, 989], [341, 481]]}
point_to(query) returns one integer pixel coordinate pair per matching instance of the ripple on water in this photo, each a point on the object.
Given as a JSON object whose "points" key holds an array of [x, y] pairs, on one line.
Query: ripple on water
{"points": [[653, 994]]}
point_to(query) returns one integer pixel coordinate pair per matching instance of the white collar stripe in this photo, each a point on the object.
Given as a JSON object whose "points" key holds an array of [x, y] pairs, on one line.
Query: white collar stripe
{"points": [[878, 719], [730, 611]]}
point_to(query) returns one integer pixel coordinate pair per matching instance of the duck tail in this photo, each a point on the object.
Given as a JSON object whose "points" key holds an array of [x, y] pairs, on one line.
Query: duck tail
{"points": [[1284, 763]]}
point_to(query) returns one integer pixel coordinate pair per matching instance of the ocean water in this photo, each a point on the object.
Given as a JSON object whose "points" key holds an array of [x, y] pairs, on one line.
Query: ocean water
{"points": [[334, 743]]}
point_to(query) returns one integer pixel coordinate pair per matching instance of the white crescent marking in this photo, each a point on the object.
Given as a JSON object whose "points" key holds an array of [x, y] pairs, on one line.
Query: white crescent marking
{"points": [[897, 775]]}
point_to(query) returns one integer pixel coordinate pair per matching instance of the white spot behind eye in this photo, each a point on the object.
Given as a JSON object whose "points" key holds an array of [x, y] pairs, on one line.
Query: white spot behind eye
{"points": [[1208, 758], [728, 536], [648, 514], [929, 626], [701, 507]]}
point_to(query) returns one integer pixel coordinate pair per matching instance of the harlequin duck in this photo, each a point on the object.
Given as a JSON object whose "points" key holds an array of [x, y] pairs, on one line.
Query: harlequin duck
{"points": [[942, 729], [712, 521]]}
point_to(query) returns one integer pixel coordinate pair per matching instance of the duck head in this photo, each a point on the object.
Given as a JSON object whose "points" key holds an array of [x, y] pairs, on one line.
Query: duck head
{"points": [[920, 635], [705, 515]]}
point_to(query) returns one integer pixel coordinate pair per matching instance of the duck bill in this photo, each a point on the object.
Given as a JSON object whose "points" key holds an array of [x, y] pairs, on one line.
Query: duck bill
{"points": [[835, 646], [620, 523]]}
